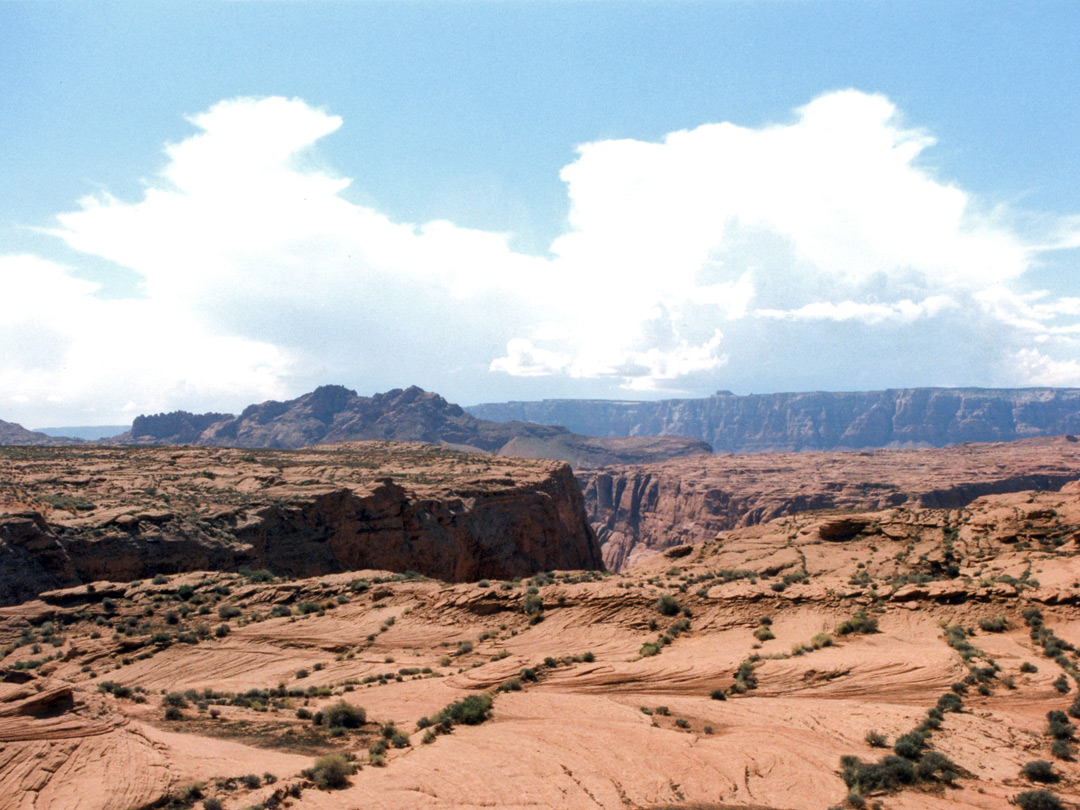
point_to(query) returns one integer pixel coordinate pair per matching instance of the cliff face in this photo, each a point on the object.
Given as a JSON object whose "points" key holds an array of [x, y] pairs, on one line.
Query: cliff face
{"points": [[818, 421], [135, 513], [640, 510]]}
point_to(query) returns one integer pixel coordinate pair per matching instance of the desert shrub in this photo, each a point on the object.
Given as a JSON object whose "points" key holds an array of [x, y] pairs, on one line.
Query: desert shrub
{"points": [[221, 630], [667, 605], [682, 723], [998, 624], [1061, 749], [1040, 770], [890, 773], [331, 772], [160, 579], [228, 611], [213, 804], [429, 737], [1059, 726], [173, 713], [464, 647], [910, 745], [343, 715], [279, 611], [718, 694], [1027, 666], [649, 648], [511, 685], [875, 739], [935, 765], [400, 740], [950, 702], [304, 608], [859, 623], [251, 781], [1038, 800], [764, 633], [176, 699], [533, 605], [470, 711]]}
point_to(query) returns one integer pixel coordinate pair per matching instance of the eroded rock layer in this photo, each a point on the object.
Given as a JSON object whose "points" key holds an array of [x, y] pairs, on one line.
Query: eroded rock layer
{"points": [[83, 514]]}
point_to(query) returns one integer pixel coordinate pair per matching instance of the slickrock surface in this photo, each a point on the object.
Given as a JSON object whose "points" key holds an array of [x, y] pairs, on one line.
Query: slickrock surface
{"points": [[732, 674], [639, 510], [75, 515], [817, 420]]}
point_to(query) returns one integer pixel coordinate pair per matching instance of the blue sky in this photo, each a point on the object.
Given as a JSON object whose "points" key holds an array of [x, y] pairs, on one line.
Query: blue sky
{"points": [[503, 200]]}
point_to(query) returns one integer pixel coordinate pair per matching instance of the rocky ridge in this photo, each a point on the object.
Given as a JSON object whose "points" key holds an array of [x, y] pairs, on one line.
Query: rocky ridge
{"points": [[905, 417], [89, 513], [333, 414]]}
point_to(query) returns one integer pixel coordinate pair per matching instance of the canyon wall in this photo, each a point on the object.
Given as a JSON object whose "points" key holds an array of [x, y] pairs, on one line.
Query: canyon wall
{"points": [[909, 417], [639, 510]]}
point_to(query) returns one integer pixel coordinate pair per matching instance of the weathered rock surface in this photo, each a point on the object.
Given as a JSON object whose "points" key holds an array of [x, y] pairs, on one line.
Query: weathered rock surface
{"points": [[907, 417], [134, 512], [333, 414], [639, 510]]}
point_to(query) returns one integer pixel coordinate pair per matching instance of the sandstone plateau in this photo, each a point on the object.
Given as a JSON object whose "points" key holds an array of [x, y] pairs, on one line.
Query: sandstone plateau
{"points": [[89, 513], [774, 667], [905, 417], [639, 509]]}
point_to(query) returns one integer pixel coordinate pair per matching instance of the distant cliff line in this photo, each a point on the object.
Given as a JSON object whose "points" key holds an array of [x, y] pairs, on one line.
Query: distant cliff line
{"points": [[760, 423]]}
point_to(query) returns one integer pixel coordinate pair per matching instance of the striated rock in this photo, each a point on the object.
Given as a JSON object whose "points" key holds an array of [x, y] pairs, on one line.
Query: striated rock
{"points": [[906, 417], [379, 505], [641, 509]]}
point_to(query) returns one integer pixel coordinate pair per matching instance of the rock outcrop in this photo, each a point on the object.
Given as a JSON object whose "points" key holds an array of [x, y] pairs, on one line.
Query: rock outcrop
{"points": [[133, 513], [908, 417], [333, 414], [641, 509]]}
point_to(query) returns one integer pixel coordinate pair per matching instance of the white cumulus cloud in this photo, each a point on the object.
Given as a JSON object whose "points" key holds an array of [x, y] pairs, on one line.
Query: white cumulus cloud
{"points": [[720, 256]]}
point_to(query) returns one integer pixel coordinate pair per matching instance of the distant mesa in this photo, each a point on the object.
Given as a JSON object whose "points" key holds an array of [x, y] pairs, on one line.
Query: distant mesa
{"points": [[332, 414], [768, 423]]}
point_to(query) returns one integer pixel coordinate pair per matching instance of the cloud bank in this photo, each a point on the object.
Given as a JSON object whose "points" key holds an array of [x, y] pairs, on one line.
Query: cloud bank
{"points": [[722, 256]]}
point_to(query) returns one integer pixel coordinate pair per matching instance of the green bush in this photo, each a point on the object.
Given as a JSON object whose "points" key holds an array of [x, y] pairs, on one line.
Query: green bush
{"points": [[875, 739], [859, 623], [998, 624], [470, 711], [331, 772], [1038, 800], [910, 745], [668, 605], [1040, 770], [343, 715], [866, 777]]}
